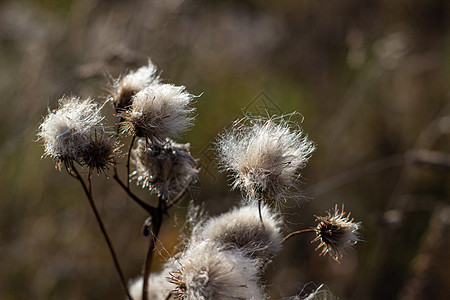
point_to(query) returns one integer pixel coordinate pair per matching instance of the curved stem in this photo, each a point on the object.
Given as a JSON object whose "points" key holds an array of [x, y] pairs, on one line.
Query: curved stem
{"points": [[292, 234], [88, 192], [260, 213], [157, 221], [180, 194]]}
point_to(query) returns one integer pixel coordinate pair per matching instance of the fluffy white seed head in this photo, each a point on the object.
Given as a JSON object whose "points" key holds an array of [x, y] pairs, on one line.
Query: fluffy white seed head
{"points": [[336, 233], [242, 229], [206, 271], [159, 111], [68, 131], [265, 158], [125, 88], [164, 168], [160, 287]]}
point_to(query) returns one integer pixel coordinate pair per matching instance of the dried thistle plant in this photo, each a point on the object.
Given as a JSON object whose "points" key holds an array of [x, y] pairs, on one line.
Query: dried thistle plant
{"points": [[225, 256], [336, 233]]}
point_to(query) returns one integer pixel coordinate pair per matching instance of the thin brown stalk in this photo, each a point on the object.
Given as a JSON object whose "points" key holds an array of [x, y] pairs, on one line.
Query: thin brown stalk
{"points": [[156, 221], [260, 213], [133, 139], [180, 194], [292, 234], [88, 191]]}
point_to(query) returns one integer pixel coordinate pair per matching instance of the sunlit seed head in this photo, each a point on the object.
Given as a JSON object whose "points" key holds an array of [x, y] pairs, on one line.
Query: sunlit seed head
{"points": [[125, 88], [159, 111], [242, 229], [265, 157], [164, 168], [336, 233], [67, 131], [206, 271]]}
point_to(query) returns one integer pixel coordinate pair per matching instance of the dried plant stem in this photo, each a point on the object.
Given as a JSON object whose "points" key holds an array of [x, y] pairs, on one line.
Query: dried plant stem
{"points": [[156, 222], [133, 139], [292, 234], [180, 194], [260, 213], [88, 191]]}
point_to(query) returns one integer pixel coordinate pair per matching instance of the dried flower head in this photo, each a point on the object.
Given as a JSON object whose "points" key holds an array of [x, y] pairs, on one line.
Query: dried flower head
{"points": [[336, 233], [206, 271], [165, 168], [101, 150], [159, 111], [265, 158], [125, 88], [67, 131], [242, 229]]}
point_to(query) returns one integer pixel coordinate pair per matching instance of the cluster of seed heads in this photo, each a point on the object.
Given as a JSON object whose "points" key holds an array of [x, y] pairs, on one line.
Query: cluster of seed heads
{"points": [[225, 256]]}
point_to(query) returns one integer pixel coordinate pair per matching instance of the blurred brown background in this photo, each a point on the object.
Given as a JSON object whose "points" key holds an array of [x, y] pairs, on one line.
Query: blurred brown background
{"points": [[371, 79]]}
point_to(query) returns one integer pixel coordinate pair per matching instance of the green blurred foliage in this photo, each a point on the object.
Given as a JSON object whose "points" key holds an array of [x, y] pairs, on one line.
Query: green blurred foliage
{"points": [[369, 78]]}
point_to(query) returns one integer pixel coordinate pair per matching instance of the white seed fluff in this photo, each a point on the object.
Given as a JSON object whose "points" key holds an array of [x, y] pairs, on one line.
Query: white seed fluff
{"points": [[67, 131], [242, 229], [159, 111], [265, 158], [164, 168], [135, 81], [206, 271]]}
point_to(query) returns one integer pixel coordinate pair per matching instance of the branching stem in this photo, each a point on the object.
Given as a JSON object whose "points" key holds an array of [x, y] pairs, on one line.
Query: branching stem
{"points": [[156, 222], [292, 234], [88, 191]]}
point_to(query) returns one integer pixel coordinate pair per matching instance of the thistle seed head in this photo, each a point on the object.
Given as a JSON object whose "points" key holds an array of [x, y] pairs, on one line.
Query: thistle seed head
{"points": [[336, 233], [265, 158], [159, 111], [67, 131], [101, 151], [206, 271], [164, 168], [125, 88], [242, 229]]}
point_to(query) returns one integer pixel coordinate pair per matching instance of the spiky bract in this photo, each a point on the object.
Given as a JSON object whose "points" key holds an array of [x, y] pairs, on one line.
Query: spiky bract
{"points": [[336, 233]]}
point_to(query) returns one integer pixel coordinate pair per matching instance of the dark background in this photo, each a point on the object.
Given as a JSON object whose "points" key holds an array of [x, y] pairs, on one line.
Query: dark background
{"points": [[370, 78]]}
